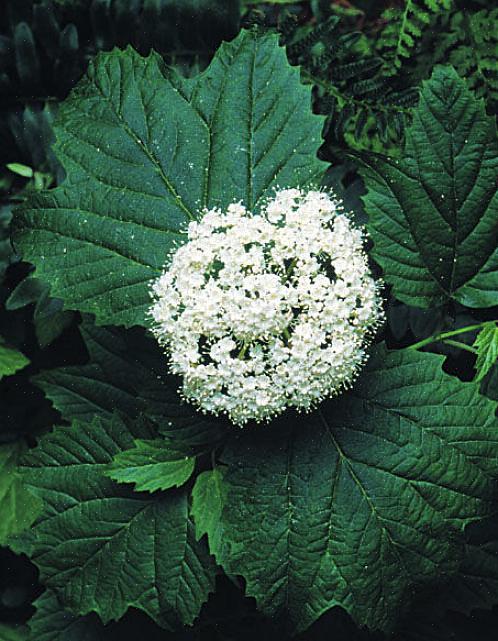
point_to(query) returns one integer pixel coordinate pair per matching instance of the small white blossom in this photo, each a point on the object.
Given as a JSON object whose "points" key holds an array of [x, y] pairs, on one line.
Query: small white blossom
{"points": [[268, 311]]}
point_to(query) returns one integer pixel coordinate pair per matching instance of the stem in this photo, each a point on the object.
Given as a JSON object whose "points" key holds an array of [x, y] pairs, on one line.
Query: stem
{"points": [[444, 335], [243, 350], [461, 345]]}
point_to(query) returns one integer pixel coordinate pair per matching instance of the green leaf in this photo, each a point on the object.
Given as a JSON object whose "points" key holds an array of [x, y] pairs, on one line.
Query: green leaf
{"points": [[127, 372], [11, 360], [151, 465], [52, 623], [119, 364], [5, 245], [13, 632], [486, 343], [433, 213], [268, 2], [20, 170], [48, 317], [145, 150], [476, 584], [368, 496], [103, 547], [404, 28], [208, 500], [18, 506], [474, 587]]}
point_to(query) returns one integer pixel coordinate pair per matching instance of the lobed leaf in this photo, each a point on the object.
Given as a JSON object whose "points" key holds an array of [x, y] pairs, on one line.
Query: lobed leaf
{"points": [[146, 150], [104, 548], [365, 498], [127, 372], [433, 213]]}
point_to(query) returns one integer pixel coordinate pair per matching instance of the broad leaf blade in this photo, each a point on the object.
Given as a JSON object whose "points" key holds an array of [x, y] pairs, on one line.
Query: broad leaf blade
{"points": [[366, 498], [151, 465], [120, 363], [433, 213], [127, 372], [145, 150], [104, 548]]}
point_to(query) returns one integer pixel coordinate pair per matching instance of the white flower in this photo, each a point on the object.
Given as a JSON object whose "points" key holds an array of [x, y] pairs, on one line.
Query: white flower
{"points": [[268, 311]]}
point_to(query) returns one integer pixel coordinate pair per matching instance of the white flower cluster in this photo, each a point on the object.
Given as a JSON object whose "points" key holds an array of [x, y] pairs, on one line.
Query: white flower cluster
{"points": [[261, 312]]}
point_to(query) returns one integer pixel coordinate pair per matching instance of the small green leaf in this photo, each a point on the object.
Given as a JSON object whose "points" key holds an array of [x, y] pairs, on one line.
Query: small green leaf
{"points": [[18, 507], [208, 499], [104, 548], [11, 360], [20, 170], [486, 343], [151, 465], [28, 291], [433, 213]]}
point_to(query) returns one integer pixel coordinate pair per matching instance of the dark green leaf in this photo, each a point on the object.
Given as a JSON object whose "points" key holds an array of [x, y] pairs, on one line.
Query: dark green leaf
{"points": [[18, 507], [145, 150], [104, 548], [127, 372], [13, 632], [433, 213], [52, 623], [474, 587], [364, 498]]}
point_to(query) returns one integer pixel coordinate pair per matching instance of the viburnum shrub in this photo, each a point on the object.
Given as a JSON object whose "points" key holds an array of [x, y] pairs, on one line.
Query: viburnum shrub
{"points": [[208, 192]]}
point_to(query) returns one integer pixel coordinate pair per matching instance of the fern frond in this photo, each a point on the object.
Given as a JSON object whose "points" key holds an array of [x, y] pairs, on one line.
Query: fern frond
{"points": [[364, 112], [469, 41], [304, 44], [364, 107], [355, 69], [404, 29]]}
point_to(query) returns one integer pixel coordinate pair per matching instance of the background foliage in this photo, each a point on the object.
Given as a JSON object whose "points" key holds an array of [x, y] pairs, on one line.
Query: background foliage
{"points": [[366, 62]]}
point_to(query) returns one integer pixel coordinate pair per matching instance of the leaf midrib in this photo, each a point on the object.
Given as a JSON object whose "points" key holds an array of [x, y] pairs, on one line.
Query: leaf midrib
{"points": [[139, 143], [364, 493]]}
